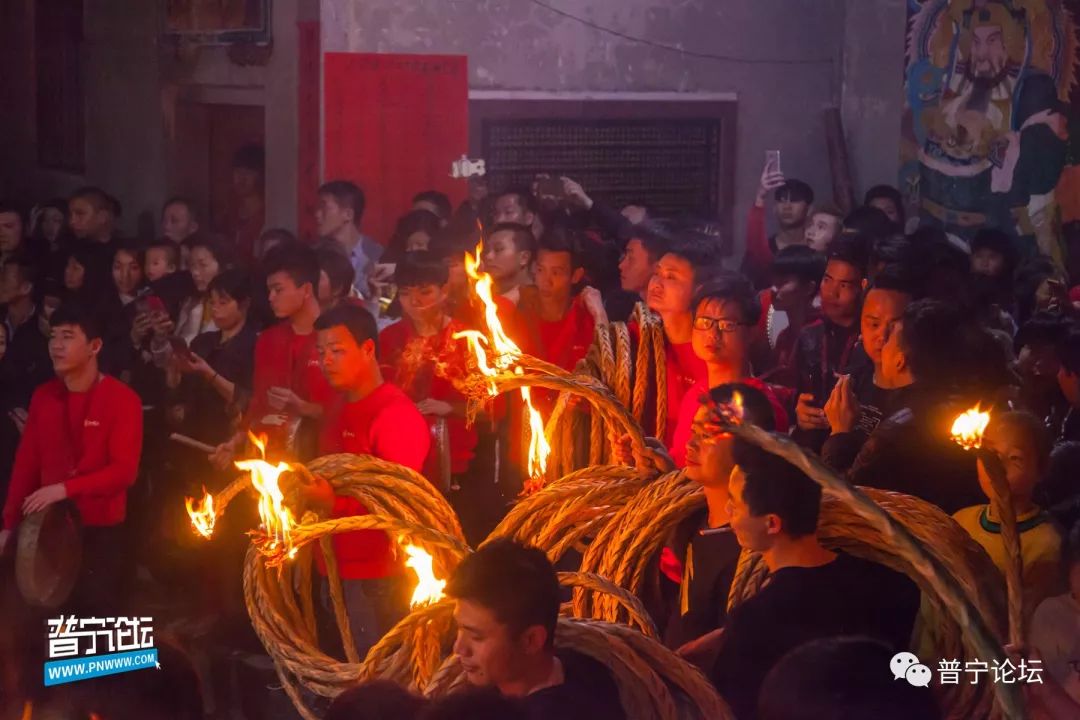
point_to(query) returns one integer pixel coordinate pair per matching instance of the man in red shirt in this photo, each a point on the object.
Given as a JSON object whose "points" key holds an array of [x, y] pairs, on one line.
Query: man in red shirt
{"points": [[82, 441], [289, 391], [411, 351], [725, 312], [679, 273], [565, 321], [376, 418]]}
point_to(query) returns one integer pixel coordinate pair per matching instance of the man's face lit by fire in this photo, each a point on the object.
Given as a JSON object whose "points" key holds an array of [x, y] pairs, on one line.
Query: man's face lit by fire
{"points": [[988, 52], [487, 649], [708, 456], [346, 363]]}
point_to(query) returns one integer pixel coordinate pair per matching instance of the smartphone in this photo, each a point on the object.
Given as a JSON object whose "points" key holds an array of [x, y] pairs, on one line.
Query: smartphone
{"points": [[772, 160], [154, 304], [180, 347], [550, 187]]}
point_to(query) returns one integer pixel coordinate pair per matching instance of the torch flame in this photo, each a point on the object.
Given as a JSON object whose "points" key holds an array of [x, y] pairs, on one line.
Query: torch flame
{"points": [[968, 428], [202, 516], [506, 354], [429, 589], [277, 520]]}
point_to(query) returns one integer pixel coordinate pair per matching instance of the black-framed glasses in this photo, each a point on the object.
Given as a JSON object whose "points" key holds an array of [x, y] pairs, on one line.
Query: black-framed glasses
{"points": [[705, 324]]}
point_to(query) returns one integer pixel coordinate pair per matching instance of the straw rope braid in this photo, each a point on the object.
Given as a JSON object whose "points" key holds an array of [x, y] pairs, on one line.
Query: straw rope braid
{"points": [[1001, 501]]}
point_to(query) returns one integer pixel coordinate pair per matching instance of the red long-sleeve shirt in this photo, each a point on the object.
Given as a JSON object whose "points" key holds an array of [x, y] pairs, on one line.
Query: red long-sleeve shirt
{"points": [[90, 442], [387, 425], [409, 361], [284, 359], [757, 262]]}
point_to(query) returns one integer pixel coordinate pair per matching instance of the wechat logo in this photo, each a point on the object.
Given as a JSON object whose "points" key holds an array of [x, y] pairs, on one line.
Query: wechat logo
{"points": [[905, 666]]}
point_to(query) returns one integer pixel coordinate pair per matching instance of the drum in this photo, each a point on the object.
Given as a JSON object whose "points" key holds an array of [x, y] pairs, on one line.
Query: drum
{"points": [[49, 555]]}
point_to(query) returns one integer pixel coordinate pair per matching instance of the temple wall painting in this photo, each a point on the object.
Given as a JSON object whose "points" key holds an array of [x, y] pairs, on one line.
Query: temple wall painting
{"points": [[990, 132]]}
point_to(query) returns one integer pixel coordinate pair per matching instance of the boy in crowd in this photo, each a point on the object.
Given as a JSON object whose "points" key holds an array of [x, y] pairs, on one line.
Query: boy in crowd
{"points": [[786, 308], [1022, 446], [860, 401], [812, 592], [826, 349], [338, 217], [289, 391], [507, 610], [12, 237], [93, 214], [793, 201], [411, 351], [679, 274], [370, 417], [436, 203], [725, 312], [636, 268], [825, 225], [82, 441], [178, 220], [564, 318], [508, 255]]}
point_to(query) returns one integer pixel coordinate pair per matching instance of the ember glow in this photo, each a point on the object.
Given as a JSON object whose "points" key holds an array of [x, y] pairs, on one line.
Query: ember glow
{"points": [[968, 428], [429, 589], [202, 515], [277, 520], [505, 355]]}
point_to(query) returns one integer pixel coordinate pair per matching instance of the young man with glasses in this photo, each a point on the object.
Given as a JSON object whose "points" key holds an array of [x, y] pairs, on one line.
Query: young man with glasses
{"points": [[725, 313]]}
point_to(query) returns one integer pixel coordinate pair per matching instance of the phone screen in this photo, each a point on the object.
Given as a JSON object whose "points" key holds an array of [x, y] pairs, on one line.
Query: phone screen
{"points": [[772, 160]]}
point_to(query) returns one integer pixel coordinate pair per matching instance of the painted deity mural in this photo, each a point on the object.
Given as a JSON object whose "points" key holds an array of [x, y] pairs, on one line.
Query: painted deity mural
{"points": [[990, 90]]}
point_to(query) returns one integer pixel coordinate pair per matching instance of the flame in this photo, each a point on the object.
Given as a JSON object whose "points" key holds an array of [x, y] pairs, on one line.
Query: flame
{"points": [[277, 520], [736, 406], [506, 354], [429, 589], [968, 428], [202, 516]]}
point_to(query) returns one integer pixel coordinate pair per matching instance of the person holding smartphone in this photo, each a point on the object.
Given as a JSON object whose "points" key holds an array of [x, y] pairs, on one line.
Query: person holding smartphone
{"points": [[827, 349], [793, 201]]}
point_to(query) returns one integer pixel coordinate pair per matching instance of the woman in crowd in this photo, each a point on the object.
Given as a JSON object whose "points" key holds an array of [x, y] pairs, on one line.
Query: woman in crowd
{"points": [[208, 258]]}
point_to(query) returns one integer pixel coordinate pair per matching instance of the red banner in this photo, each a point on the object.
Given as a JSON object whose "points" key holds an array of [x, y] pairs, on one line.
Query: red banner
{"points": [[394, 123]]}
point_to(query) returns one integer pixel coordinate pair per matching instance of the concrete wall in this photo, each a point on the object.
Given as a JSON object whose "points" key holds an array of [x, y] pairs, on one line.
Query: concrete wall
{"points": [[873, 93], [517, 45]]}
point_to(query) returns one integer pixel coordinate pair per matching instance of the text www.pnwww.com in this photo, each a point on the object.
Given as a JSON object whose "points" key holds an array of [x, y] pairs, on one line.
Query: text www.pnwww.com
{"points": [[96, 666]]}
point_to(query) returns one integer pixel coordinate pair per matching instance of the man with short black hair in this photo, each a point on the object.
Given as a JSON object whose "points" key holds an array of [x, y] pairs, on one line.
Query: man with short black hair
{"points": [[517, 206], [507, 610], [368, 417], [725, 312], [82, 441], [811, 593], [338, 217], [93, 214], [679, 274], [508, 255], [930, 354], [289, 392], [786, 308], [859, 401], [637, 265], [563, 314], [178, 219], [12, 239], [794, 198], [827, 349], [26, 362]]}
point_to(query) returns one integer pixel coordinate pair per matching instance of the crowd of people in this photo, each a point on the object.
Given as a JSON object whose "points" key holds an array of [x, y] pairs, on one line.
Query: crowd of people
{"points": [[856, 334]]}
